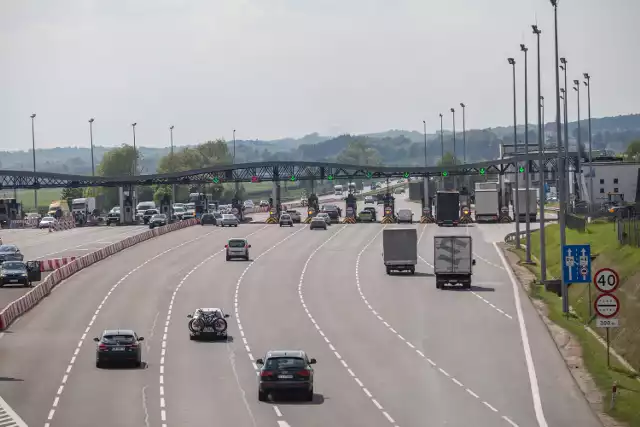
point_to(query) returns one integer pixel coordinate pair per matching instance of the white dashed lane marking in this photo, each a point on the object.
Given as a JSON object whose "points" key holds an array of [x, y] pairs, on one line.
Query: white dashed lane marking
{"points": [[93, 319], [331, 346], [410, 345], [163, 351], [237, 312]]}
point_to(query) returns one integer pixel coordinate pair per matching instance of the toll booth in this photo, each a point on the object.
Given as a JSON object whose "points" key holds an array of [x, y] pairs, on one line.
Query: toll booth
{"points": [[389, 206], [10, 210], [33, 271], [165, 207], [352, 206], [127, 213], [237, 208]]}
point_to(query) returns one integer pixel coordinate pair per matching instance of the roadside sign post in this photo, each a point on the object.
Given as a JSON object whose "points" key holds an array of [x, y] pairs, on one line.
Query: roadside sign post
{"points": [[607, 304], [576, 268]]}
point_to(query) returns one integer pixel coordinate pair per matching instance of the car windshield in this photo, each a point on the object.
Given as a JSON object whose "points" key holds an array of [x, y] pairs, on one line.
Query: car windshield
{"points": [[47, 218], [179, 210], [285, 216], [159, 216], [13, 265], [404, 212], [8, 248], [228, 216], [330, 208], [118, 338], [276, 363], [237, 243], [217, 214]]}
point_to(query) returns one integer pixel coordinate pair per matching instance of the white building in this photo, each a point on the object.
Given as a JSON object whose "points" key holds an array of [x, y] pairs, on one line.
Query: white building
{"points": [[613, 178]]}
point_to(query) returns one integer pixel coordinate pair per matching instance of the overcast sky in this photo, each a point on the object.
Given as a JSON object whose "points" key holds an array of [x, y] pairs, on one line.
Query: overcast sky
{"points": [[279, 68]]}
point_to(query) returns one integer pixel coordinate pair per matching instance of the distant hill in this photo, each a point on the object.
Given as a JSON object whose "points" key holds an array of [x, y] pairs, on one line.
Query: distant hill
{"points": [[395, 147]]}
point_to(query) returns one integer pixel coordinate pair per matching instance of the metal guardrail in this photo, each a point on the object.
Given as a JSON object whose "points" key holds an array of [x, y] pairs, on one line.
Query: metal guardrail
{"points": [[511, 237]]}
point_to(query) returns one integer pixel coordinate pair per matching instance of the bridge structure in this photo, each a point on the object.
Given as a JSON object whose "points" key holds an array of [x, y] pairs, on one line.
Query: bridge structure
{"points": [[281, 171]]}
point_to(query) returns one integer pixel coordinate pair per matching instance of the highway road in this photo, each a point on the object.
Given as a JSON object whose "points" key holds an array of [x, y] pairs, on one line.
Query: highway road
{"points": [[391, 350]]}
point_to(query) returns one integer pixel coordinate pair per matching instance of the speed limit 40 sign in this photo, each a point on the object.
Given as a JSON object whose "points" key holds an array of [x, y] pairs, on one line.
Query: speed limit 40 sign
{"points": [[606, 280]]}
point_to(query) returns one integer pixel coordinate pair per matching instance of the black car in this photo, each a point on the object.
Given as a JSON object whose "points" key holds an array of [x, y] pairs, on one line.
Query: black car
{"points": [[10, 253], [333, 212], [158, 220], [208, 323], [119, 345], [148, 214], [113, 217], [209, 218], [14, 273], [286, 370]]}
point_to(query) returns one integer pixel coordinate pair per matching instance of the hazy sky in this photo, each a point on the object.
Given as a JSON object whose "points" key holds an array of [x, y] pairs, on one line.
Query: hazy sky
{"points": [[277, 68]]}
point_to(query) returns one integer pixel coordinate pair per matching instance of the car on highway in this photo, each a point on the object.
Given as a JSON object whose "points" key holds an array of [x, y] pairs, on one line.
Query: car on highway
{"points": [[264, 204], [237, 248], [295, 215], [14, 273], [118, 345], [285, 219], [229, 220], [366, 216], [147, 214], [207, 323], [318, 222], [404, 215], [369, 199], [49, 221], [373, 211], [209, 218], [10, 253], [158, 220], [325, 216], [286, 370], [248, 204], [333, 211], [179, 212], [113, 217]]}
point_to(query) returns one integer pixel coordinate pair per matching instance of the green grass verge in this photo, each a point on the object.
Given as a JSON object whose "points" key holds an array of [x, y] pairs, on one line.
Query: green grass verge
{"points": [[26, 197], [593, 352]]}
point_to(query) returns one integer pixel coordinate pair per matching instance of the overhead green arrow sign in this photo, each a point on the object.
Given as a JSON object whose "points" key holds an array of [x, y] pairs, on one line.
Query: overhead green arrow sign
{"points": [[330, 177], [406, 174], [369, 174], [445, 173], [521, 169], [482, 171], [293, 178], [216, 180]]}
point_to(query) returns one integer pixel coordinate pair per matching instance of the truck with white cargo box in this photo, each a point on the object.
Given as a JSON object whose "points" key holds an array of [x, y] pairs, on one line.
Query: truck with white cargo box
{"points": [[487, 198], [522, 204], [400, 249], [453, 260]]}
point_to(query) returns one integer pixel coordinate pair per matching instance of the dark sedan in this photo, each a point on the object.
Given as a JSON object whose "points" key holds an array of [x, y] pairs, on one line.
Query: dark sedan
{"points": [[119, 345], [10, 253], [286, 370], [148, 214], [14, 273], [158, 220], [333, 212]]}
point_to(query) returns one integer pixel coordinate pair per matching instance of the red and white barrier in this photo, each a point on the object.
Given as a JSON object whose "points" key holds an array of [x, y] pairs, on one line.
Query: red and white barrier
{"points": [[35, 295], [54, 264], [63, 224]]}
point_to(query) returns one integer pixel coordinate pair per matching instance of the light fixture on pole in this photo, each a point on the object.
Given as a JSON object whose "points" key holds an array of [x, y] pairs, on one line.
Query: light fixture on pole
{"points": [[453, 112], [441, 139], [576, 87], [568, 181], [425, 179], [587, 83], [515, 148], [541, 163], [93, 167], [527, 184], [560, 166], [464, 133], [563, 97], [173, 165], [135, 152], [33, 142]]}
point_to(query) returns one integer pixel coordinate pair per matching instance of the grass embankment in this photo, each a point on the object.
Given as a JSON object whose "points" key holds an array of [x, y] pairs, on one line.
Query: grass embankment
{"points": [[626, 339]]}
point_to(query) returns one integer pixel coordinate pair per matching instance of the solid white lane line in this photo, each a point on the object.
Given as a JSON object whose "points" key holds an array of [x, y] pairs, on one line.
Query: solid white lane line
{"points": [[113, 288], [533, 379], [168, 320], [390, 328], [300, 289]]}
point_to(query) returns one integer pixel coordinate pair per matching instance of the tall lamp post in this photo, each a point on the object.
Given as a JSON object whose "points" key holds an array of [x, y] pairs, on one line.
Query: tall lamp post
{"points": [[587, 83], [464, 133], [173, 165], [425, 191], [563, 97], [568, 181], [135, 152], [543, 121], [442, 137], [236, 183], [576, 87], [33, 142], [93, 167], [541, 162], [453, 112], [525, 49], [515, 147]]}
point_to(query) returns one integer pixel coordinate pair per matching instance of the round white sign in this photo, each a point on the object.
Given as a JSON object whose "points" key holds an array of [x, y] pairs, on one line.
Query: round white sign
{"points": [[607, 305], [606, 280]]}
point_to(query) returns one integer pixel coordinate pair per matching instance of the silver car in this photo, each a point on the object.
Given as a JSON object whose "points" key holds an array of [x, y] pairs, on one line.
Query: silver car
{"points": [[295, 215], [237, 248], [325, 216], [229, 220], [318, 222], [285, 219], [405, 215]]}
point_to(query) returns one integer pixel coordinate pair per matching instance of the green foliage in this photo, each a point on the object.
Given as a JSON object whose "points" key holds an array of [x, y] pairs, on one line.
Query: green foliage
{"points": [[116, 162], [633, 151], [447, 160], [359, 152], [71, 193]]}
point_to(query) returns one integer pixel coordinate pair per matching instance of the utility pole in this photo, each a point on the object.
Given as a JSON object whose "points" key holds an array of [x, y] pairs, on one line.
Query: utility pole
{"points": [[173, 166], [542, 175], [576, 87], [568, 181], [33, 141], [587, 83], [93, 167], [515, 147], [524, 49], [441, 138]]}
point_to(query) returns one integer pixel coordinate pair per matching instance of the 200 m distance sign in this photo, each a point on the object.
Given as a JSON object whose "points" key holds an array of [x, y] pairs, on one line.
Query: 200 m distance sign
{"points": [[606, 305], [606, 280]]}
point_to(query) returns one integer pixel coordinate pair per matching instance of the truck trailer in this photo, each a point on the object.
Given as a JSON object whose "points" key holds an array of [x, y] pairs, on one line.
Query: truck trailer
{"points": [[487, 198], [532, 194], [447, 208], [453, 260], [400, 249]]}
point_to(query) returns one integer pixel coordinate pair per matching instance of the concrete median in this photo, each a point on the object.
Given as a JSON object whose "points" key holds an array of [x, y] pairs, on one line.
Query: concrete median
{"points": [[23, 304]]}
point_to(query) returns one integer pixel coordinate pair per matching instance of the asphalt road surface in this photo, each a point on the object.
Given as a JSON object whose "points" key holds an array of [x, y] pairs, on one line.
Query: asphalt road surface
{"points": [[391, 350]]}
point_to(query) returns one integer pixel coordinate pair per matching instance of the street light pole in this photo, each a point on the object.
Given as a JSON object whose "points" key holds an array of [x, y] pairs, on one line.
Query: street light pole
{"points": [[425, 179], [33, 141], [515, 147], [560, 166], [135, 152], [541, 162], [543, 121], [464, 133], [441, 138], [173, 166], [237, 184], [453, 111], [93, 167], [527, 184], [424, 123], [588, 85], [579, 139], [569, 182], [563, 96]]}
